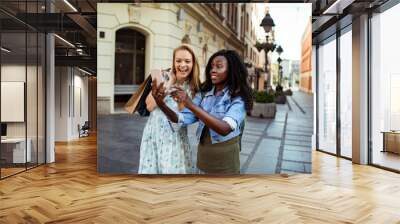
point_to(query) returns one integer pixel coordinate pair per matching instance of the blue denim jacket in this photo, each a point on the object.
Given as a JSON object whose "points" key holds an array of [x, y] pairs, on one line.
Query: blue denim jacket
{"points": [[222, 107]]}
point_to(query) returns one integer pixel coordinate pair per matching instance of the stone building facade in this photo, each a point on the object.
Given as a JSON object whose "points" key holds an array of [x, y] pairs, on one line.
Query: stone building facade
{"points": [[156, 29]]}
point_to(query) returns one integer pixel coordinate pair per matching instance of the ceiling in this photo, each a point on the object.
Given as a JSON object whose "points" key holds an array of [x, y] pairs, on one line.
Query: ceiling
{"points": [[326, 13], [76, 21], [76, 24]]}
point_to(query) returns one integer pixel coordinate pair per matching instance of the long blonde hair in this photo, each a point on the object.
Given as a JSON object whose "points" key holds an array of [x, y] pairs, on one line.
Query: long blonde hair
{"points": [[194, 77]]}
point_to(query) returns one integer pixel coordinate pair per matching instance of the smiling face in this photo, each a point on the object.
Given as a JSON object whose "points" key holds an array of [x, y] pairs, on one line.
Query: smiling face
{"points": [[219, 70], [183, 64]]}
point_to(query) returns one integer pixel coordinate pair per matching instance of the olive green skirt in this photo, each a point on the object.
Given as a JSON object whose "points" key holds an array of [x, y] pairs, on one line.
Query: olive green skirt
{"points": [[218, 158]]}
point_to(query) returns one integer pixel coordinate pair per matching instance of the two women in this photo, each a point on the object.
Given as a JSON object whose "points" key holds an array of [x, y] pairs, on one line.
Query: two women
{"points": [[220, 108], [164, 150]]}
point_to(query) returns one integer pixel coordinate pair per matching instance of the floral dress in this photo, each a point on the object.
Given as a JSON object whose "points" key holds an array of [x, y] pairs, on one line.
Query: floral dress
{"points": [[165, 150]]}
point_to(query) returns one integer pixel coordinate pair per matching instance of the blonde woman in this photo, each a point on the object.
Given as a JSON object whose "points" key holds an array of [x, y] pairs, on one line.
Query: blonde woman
{"points": [[163, 149]]}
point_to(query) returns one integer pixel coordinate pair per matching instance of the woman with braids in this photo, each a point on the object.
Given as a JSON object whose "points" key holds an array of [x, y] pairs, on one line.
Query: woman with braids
{"points": [[220, 109]]}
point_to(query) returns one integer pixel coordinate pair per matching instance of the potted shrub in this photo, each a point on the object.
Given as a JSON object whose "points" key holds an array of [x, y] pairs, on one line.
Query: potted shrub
{"points": [[264, 105]]}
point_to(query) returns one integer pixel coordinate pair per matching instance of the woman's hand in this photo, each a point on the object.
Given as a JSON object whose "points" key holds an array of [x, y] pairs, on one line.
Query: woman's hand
{"points": [[158, 92], [180, 96]]}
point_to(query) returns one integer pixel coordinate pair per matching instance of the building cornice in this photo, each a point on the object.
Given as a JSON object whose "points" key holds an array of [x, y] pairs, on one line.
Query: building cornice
{"points": [[203, 13]]}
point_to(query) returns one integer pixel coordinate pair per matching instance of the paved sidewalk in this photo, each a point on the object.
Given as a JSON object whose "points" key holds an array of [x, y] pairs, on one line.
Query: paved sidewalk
{"points": [[282, 145]]}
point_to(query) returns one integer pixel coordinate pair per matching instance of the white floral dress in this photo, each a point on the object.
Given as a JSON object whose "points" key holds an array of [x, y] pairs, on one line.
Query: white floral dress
{"points": [[164, 150]]}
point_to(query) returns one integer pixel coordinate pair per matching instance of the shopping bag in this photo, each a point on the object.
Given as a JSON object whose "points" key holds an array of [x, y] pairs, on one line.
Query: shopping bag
{"points": [[137, 102]]}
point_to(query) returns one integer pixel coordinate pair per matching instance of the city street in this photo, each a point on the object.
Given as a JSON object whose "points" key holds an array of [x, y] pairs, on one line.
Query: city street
{"points": [[280, 145]]}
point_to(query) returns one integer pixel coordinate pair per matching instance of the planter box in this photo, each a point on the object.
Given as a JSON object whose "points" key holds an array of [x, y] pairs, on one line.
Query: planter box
{"points": [[264, 110]]}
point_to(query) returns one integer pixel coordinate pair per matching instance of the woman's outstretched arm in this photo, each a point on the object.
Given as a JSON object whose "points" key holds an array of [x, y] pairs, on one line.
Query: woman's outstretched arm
{"points": [[158, 93], [219, 126]]}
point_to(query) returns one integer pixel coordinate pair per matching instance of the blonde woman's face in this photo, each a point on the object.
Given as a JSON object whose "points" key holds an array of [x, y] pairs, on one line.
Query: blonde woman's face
{"points": [[183, 64]]}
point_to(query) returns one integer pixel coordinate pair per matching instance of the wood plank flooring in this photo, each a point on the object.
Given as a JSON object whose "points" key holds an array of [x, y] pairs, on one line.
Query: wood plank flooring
{"points": [[71, 191]]}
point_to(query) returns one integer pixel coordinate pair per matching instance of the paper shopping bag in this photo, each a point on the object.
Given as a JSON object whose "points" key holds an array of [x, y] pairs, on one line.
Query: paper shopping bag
{"points": [[139, 96]]}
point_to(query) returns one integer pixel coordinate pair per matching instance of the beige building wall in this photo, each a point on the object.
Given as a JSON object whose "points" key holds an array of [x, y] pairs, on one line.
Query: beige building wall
{"points": [[306, 56], [164, 25]]}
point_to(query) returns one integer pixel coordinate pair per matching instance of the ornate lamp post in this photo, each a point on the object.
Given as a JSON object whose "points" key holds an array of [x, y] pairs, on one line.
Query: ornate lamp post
{"points": [[280, 97], [279, 50], [267, 23]]}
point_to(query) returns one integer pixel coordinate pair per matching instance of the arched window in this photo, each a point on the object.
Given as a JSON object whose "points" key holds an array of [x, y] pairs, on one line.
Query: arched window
{"points": [[130, 48]]}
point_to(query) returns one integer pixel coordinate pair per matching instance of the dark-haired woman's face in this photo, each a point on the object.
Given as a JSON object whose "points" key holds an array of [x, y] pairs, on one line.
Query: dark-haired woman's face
{"points": [[219, 70]]}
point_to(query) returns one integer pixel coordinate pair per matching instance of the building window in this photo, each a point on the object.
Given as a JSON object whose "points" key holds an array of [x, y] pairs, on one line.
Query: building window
{"points": [[129, 64], [242, 21], [129, 57], [22, 101], [235, 16], [327, 96], [385, 89], [246, 22], [346, 94]]}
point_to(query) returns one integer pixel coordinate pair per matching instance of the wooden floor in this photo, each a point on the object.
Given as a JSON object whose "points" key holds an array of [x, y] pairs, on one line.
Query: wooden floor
{"points": [[10, 171], [71, 191]]}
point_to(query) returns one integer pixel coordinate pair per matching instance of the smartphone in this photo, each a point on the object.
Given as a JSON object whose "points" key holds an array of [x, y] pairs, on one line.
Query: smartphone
{"points": [[165, 74], [160, 76]]}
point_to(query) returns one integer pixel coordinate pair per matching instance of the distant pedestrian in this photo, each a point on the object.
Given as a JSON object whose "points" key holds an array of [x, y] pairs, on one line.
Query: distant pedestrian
{"points": [[220, 109]]}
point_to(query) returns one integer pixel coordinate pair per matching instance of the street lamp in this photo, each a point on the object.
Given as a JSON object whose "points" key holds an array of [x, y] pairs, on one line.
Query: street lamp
{"points": [[267, 23], [279, 50]]}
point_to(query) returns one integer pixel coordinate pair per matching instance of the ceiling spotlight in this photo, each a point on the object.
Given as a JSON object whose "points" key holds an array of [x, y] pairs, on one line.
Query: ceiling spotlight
{"points": [[337, 7], [5, 50], [70, 5], [65, 41], [84, 71]]}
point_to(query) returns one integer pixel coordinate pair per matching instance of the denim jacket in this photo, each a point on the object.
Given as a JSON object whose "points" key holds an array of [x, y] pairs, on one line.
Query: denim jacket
{"points": [[223, 107]]}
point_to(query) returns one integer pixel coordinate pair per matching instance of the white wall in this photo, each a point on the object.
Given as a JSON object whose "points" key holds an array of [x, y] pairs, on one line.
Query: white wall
{"points": [[15, 72], [33, 126], [79, 117], [68, 83], [61, 103]]}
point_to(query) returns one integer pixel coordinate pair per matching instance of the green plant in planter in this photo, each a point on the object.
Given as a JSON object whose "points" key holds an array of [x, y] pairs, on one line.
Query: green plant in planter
{"points": [[264, 97], [279, 88]]}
